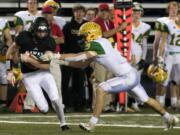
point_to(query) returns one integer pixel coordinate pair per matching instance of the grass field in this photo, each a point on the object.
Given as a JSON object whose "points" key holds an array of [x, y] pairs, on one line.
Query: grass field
{"points": [[109, 124]]}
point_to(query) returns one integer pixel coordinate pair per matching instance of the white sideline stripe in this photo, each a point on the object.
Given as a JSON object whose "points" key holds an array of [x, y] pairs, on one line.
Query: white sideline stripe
{"points": [[80, 115], [76, 124]]}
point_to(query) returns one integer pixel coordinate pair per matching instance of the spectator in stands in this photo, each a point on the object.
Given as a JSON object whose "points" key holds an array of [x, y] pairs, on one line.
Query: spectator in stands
{"points": [[56, 31], [56, 5], [103, 19], [23, 21], [5, 42], [90, 14], [73, 79]]}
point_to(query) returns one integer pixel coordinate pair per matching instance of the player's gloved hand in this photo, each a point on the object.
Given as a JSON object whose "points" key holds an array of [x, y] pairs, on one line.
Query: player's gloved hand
{"points": [[141, 64], [14, 76], [48, 56]]}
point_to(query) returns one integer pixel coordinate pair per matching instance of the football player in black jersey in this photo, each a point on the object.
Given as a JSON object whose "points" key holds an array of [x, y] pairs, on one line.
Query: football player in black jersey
{"points": [[36, 73]]}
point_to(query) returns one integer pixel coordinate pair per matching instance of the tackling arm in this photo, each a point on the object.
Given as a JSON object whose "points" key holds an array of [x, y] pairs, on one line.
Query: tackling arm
{"points": [[79, 56], [81, 64]]}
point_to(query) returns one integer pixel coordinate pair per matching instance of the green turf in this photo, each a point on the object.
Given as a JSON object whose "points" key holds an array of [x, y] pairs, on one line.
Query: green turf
{"points": [[23, 129], [112, 124]]}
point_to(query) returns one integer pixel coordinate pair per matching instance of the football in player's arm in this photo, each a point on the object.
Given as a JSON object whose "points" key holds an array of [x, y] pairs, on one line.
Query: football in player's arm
{"points": [[30, 47]]}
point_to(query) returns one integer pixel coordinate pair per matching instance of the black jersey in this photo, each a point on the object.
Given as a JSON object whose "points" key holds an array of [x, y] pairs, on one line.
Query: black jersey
{"points": [[27, 42]]}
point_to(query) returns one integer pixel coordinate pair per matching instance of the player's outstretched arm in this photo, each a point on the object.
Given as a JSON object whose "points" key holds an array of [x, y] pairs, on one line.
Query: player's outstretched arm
{"points": [[75, 57], [80, 64]]}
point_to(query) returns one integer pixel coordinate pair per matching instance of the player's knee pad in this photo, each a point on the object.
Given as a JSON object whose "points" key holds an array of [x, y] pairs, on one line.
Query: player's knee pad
{"points": [[44, 109]]}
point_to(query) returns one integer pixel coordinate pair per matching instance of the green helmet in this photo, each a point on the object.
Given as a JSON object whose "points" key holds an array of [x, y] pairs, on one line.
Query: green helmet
{"points": [[137, 6]]}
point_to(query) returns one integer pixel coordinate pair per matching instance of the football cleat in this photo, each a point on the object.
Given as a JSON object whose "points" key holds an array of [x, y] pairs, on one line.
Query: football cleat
{"points": [[171, 122], [135, 107], [87, 126], [65, 128]]}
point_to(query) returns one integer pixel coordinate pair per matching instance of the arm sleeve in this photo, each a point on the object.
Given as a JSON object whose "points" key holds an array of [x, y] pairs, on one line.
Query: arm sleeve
{"points": [[96, 47]]}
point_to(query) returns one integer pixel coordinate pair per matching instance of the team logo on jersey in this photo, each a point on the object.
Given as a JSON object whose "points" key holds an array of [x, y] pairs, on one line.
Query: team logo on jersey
{"points": [[36, 53]]}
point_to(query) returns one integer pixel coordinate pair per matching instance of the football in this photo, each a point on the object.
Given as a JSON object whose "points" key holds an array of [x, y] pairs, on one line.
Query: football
{"points": [[30, 65]]}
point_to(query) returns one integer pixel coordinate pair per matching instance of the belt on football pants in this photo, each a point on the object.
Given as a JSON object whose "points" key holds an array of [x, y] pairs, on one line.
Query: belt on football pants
{"points": [[172, 53]]}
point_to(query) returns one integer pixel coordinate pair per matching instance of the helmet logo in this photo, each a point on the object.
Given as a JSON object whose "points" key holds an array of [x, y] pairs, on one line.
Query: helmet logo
{"points": [[42, 28]]}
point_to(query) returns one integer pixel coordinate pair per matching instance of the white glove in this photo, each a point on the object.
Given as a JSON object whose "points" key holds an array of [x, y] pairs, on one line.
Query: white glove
{"points": [[48, 56]]}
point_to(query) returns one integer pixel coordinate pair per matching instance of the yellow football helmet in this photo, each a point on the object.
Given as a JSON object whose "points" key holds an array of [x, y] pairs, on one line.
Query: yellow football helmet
{"points": [[157, 73], [90, 31], [51, 3]]}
